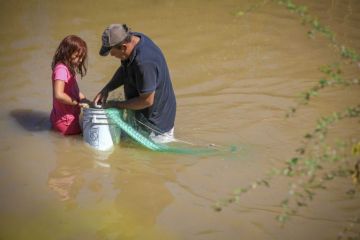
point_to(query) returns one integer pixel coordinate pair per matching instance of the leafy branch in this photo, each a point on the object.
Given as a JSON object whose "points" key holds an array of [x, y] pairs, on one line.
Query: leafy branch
{"points": [[316, 163], [310, 168], [318, 27], [349, 232], [333, 77]]}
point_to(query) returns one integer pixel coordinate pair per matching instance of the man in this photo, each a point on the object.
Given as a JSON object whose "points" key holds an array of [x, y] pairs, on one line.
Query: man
{"points": [[146, 79]]}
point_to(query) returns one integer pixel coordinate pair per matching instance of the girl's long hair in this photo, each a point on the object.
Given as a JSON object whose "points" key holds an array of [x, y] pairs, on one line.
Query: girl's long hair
{"points": [[67, 47]]}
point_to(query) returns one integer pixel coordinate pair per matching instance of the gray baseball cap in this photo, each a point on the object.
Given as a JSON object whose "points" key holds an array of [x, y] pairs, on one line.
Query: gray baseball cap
{"points": [[113, 35]]}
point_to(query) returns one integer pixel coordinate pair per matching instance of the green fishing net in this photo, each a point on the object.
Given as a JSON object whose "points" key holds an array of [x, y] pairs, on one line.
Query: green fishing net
{"points": [[128, 124]]}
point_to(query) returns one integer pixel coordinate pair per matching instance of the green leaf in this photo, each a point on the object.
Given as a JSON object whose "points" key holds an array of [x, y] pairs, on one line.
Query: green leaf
{"points": [[308, 136], [240, 13], [293, 161]]}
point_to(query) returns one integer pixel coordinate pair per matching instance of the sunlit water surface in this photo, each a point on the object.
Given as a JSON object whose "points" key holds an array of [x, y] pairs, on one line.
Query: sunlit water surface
{"points": [[234, 77]]}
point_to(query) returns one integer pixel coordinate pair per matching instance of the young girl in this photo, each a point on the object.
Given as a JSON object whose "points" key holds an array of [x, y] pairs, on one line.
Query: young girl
{"points": [[70, 58]]}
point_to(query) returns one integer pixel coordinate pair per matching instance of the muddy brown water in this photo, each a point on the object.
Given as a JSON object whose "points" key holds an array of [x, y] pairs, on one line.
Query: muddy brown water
{"points": [[234, 78]]}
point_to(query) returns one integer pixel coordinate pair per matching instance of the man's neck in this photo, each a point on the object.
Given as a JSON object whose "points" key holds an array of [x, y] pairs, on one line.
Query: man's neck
{"points": [[131, 45], [135, 40]]}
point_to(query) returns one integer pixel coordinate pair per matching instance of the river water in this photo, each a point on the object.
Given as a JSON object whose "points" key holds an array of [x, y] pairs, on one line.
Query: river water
{"points": [[234, 77]]}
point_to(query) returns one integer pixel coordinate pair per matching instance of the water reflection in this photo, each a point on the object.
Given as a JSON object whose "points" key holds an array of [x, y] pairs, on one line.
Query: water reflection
{"points": [[100, 158], [114, 194], [67, 178], [142, 194], [77, 164], [65, 183], [233, 88]]}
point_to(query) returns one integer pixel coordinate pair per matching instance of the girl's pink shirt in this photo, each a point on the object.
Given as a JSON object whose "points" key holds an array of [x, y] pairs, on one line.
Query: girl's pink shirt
{"points": [[63, 114]]}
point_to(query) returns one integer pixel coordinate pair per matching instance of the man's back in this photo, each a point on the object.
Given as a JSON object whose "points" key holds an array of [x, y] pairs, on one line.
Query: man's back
{"points": [[146, 71]]}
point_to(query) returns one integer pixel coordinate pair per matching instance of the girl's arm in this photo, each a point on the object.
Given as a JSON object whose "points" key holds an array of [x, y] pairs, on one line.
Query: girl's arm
{"points": [[61, 96], [81, 96], [84, 103]]}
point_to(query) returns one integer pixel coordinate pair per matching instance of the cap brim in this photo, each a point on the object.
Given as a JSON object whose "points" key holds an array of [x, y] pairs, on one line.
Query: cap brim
{"points": [[104, 51]]}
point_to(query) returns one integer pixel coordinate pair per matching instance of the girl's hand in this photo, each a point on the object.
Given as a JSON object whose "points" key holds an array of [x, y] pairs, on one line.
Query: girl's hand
{"points": [[85, 103]]}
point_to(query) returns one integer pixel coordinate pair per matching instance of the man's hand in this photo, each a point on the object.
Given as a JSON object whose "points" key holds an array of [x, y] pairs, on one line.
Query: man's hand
{"points": [[101, 97]]}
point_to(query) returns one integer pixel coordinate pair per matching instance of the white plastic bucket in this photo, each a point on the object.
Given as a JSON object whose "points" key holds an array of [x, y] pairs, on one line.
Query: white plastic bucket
{"points": [[98, 131]]}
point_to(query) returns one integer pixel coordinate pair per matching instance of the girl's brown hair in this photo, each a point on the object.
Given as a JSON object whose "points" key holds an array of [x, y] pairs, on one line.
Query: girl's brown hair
{"points": [[67, 47]]}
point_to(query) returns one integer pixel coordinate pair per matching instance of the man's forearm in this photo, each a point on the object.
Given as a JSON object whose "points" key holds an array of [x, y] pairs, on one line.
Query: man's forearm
{"points": [[112, 85], [136, 103], [116, 80]]}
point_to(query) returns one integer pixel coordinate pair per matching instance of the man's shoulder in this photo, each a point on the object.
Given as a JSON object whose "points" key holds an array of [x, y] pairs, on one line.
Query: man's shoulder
{"points": [[147, 50], [141, 35], [144, 39]]}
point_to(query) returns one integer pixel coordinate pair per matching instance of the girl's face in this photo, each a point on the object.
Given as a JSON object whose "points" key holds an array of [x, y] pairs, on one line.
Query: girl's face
{"points": [[77, 58]]}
